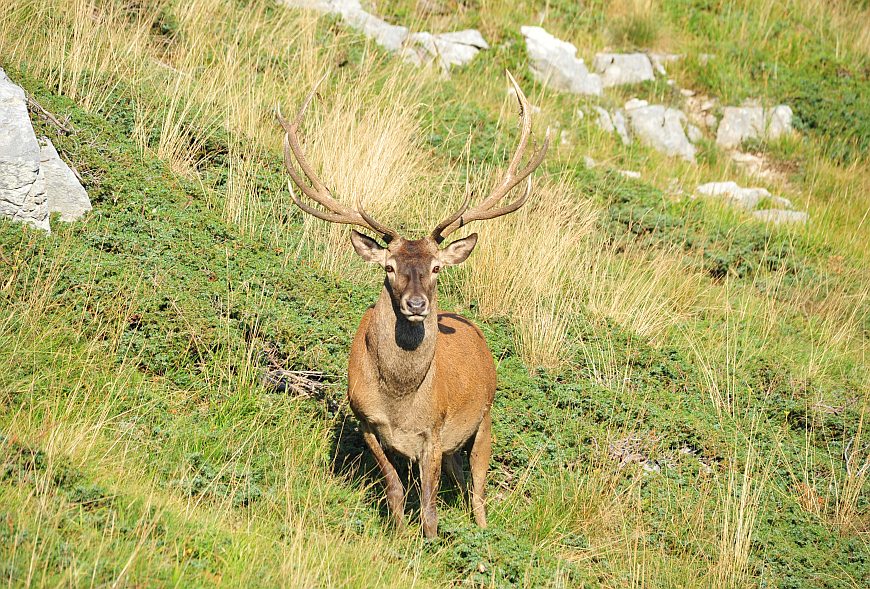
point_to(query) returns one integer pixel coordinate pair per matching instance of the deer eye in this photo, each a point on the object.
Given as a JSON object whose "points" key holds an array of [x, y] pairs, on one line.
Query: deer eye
{"points": [[436, 269], [389, 269]]}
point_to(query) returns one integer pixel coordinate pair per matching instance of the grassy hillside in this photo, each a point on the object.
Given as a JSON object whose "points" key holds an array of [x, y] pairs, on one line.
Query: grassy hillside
{"points": [[683, 392]]}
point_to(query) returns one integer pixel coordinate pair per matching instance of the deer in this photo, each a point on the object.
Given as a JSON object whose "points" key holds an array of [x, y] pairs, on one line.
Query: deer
{"points": [[421, 382]]}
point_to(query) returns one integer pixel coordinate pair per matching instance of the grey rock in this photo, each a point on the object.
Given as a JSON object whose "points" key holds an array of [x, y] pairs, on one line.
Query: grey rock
{"points": [[604, 121], [694, 133], [740, 123], [779, 121], [662, 128], [62, 189], [732, 194], [444, 49], [635, 103], [22, 181], [710, 121], [617, 69], [779, 216], [555, 63], [619, 123], [660, 59], [390, 37]]}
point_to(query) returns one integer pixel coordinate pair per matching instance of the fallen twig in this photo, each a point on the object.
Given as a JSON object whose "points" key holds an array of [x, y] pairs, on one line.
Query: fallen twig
{"points": [[41, 110]]}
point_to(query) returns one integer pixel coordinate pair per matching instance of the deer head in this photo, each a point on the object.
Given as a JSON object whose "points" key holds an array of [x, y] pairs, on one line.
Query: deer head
{"points": [[411, 266]]}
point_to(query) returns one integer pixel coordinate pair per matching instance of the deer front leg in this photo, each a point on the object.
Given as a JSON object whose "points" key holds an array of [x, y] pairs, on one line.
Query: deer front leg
{"points": [[481, 451], [395, 490], [430, 476]]}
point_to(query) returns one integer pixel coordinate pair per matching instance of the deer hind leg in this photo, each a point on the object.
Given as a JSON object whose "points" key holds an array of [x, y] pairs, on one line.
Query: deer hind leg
{"points": [[395, 490], [481, 451], [430, 477], [453, 465]]}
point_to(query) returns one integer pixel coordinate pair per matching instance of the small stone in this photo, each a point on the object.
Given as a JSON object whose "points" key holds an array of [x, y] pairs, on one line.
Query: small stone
{"points": [[635, 103], [694, 133], [604, 121], [619, 123], [630, 174], [686, 92], [589, 162], [711, 121]]}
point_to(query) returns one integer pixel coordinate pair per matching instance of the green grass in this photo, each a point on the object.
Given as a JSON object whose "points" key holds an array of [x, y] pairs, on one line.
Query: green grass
{"points": [[139, 448]]}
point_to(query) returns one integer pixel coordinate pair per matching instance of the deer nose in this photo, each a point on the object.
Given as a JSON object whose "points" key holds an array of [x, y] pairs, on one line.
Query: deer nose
{"points": [[416, 304]]}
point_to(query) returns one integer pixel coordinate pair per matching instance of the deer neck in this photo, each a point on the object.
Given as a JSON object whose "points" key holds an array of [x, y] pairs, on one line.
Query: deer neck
{"points": [[401, 350]]}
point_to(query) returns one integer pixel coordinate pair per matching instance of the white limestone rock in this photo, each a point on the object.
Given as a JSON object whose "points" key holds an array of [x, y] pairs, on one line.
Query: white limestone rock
{"points": [[64, 192], [732, 194], [22, 181], [779, 121], [621, 126], [740, 123], [663, 129], [744, 198], [555, 63], [617, 69], [604, 121], [444, 49], [635, 103], [660, 59], [779, 216]]}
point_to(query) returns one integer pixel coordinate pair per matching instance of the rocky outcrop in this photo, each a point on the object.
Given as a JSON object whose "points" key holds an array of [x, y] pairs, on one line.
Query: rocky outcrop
{"points": [[740, 123], [22, 180], [555, 63], [34, 180], [444, 49], [623, 68]]}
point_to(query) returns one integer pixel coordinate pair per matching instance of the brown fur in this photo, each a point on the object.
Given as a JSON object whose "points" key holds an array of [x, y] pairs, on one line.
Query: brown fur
{"points": [[421, 389]]}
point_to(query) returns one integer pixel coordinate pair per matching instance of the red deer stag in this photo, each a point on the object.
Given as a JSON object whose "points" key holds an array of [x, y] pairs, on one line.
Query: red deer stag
{"points": [[420, 382]]}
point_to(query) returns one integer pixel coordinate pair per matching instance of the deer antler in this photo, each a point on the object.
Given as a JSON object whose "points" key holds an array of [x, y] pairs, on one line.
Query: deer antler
{"points": [[511, 179], [318, 192]]}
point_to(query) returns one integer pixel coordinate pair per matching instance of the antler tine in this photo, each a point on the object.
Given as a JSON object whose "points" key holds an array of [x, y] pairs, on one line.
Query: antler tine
{"points": [[511, 178], [317, 191], [437, 232], [387, 233]]}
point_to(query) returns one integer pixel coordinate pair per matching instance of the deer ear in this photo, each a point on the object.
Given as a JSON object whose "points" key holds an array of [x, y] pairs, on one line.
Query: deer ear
{"points": [[458, 251], [367, 248]]}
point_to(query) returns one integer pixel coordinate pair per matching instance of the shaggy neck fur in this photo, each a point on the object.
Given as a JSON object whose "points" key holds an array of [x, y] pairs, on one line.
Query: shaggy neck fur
{"points": [[402, 350]]}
